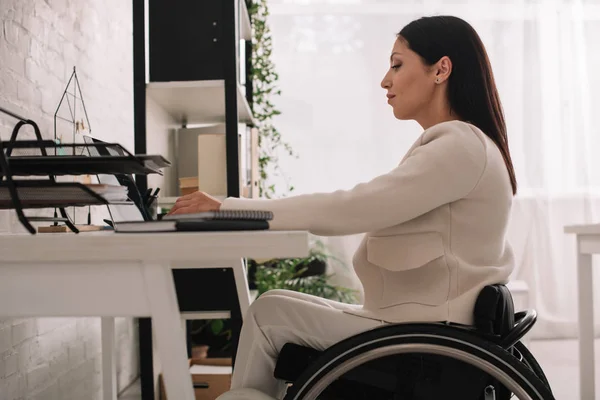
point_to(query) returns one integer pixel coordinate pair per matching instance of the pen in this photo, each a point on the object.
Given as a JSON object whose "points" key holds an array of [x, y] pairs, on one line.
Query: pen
{"points": [[150, 201]]}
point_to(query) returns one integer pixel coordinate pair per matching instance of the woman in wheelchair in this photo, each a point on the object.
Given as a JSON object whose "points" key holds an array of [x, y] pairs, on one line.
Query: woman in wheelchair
{"points": [[434, 323]]}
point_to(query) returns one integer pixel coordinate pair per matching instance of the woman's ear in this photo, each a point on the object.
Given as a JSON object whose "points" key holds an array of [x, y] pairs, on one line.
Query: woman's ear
{"points": [[443, 69]]}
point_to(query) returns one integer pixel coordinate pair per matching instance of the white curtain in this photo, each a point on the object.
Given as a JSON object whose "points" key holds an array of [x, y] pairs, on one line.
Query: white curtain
{"points": [[331, 56]]}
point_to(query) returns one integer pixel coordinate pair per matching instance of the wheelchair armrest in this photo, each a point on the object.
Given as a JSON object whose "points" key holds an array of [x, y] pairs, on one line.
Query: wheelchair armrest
{"points": [[293, 360]]}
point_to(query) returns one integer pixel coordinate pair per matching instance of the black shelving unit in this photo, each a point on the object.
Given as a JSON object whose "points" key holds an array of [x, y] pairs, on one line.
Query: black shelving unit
{"points": [[194, 75]]}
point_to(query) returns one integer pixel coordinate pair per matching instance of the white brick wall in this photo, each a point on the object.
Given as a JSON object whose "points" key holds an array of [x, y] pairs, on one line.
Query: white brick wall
{"points": [[40, 42]]}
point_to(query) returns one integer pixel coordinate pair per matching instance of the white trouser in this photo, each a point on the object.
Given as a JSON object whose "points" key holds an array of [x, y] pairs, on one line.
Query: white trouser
{"points": [[281, 316]]}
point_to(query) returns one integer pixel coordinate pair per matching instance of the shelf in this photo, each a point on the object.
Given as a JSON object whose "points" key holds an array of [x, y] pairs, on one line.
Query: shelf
{"points": [[47, 194], [84, 165], [197, 102], [246, 27]]}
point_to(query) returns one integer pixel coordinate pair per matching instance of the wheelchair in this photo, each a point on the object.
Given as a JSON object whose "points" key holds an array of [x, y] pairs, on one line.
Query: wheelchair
{"points": [[422, 361]]}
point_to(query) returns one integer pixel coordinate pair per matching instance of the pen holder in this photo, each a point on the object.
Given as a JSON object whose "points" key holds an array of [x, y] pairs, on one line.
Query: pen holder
{"points": [[153, 209]]}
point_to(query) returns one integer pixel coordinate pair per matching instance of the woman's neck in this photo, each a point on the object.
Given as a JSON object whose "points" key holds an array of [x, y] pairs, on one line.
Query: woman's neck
{"points": [[428, 122], [438, 110]]}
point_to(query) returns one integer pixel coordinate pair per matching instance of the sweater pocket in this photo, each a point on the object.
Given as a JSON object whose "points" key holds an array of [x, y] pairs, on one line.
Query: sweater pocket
{"points": [[404, 252], [413, 268]]}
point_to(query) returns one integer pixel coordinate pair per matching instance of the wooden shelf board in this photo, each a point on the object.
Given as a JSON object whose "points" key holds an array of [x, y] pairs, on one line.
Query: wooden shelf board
{"points": [[197, 102]]}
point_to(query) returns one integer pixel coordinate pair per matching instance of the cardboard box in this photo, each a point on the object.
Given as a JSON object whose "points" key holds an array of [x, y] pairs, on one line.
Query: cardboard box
{"points": [[211, 378], [188, 185], [202, 152], [212, 164]]}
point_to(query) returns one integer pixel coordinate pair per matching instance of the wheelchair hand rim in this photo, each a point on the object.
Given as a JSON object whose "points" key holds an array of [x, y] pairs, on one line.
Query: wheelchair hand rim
{"points": [[524, 321], [394, 349]]}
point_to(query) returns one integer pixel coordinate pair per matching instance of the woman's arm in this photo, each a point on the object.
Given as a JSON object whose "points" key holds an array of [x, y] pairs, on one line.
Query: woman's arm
{"points": [[444, 168]]}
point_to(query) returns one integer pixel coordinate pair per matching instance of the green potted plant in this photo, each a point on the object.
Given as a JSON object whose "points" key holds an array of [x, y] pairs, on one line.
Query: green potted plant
{"points": [[306, 274], [213, 336]]}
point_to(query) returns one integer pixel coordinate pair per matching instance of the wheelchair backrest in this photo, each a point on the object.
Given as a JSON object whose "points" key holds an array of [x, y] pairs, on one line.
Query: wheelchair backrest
{"points": [[494, 312]]}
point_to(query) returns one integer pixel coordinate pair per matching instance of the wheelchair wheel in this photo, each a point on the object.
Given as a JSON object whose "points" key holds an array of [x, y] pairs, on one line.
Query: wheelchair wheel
{"points": [[529, 360], [440, 341]]}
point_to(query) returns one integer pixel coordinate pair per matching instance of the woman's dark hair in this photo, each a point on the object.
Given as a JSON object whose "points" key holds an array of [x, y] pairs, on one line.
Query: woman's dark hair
{"points": [[472, 91]]}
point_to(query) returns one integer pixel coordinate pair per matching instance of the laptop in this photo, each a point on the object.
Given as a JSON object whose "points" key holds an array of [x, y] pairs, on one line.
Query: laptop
{"points": [[119, 212]]}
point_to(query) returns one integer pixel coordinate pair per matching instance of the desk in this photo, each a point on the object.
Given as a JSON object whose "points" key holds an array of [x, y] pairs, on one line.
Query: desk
{"points": [[109, 275], [588, 243]]}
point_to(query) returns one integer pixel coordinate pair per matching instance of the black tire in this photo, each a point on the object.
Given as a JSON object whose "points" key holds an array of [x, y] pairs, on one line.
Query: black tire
{"points": [[531, 362], [417, 338]]}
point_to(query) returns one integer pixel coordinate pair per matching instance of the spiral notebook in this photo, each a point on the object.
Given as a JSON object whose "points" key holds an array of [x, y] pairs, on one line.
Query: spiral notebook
{"points": [[245, 215], [224, 220]]}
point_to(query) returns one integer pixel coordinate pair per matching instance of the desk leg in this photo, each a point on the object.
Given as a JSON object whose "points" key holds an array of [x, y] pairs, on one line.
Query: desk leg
{"points": [[241, 285], [586, 326], [240, 275], [147, 380], [109, 370], [166, 324]]}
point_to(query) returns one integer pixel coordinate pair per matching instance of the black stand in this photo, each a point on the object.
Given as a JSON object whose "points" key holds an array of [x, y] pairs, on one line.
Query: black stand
{"points": [[7, 173], [19, 194]]}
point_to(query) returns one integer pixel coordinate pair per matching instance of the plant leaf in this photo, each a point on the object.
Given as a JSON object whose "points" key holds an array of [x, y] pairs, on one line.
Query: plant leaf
{"points": [[216, 326]]}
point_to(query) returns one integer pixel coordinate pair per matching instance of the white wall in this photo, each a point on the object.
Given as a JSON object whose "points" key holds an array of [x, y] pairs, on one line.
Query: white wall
{"points": [[40, 42], [160, 136]]}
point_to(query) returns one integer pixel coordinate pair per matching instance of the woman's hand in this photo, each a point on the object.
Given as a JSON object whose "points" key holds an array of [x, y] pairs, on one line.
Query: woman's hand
{"points": [[195, 203]]}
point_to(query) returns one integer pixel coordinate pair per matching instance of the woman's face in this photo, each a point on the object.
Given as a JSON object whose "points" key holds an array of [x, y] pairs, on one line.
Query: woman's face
{"points": [[410, 84]]}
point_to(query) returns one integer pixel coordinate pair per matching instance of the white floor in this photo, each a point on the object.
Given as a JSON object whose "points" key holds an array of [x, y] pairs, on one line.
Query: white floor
{"points": [[560, 361], [558, 358]]}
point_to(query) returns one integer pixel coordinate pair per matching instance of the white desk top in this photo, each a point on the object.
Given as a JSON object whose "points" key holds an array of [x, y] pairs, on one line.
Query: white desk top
{"points": [[588, 229], [177, 246]]}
